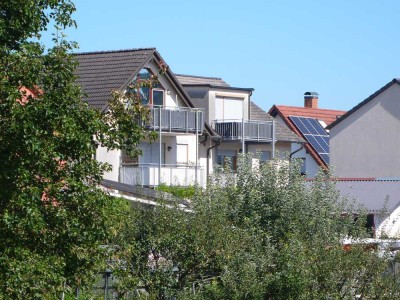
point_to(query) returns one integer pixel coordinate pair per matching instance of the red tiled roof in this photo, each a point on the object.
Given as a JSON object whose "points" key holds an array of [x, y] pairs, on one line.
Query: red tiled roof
{"points": [[326, 115]]}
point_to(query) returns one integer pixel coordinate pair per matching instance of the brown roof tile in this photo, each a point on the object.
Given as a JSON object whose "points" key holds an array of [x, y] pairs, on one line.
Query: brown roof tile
{"points": [[100, 73]]}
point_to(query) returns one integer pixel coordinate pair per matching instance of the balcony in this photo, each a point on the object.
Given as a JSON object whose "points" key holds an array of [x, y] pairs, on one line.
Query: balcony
{"points": [[148, 175], [176, 119], [256, 131]]}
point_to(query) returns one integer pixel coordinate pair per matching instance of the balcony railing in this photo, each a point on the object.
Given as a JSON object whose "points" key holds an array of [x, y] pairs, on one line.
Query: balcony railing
{"points": [[148, 175], [176, 119], [232, 130]]}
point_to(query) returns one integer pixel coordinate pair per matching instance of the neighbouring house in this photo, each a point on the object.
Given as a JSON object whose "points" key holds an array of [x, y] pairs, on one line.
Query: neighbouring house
{"points": [[178, 156], [308, 122], [242, 125], [365, 140], [381, 199]]}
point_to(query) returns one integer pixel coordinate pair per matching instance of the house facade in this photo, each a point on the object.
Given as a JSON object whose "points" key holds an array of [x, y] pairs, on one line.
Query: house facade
{"points": [[308, 122], [177, 156], [365, 141], [199, 121], [242, 126]]}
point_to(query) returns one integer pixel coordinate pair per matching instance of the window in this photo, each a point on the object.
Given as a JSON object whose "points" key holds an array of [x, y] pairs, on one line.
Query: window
{"points": [[264, 157], [150, 154], [228, 108], [150, 90], [227, 157]]}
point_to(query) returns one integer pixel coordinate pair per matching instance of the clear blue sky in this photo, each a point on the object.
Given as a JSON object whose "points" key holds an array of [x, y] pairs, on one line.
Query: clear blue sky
{"points": [[344, 50]]}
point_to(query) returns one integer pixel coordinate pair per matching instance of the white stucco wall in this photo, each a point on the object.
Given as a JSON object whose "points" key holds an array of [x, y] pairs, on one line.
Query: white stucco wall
{"points": [[367, 143], [111, 157], [172, 99]]}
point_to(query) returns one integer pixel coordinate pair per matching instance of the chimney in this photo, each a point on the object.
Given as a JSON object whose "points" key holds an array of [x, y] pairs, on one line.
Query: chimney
{"points": [[311, 100]]}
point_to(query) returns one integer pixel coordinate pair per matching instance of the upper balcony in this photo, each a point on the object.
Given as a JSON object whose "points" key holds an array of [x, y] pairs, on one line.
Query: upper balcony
{"points": [[176, 119], [237, 130]]}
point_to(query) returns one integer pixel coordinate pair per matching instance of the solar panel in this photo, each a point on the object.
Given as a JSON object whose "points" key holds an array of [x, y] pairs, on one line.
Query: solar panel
{"points": [[315, 134]]}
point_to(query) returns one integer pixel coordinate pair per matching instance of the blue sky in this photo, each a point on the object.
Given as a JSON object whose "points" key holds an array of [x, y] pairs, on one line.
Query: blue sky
{"points": [[344, 50]]}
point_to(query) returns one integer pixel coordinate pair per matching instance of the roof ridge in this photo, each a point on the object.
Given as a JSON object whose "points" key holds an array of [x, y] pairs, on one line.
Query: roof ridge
{"points": [[309, 108], [197, 76], [113, 51]]}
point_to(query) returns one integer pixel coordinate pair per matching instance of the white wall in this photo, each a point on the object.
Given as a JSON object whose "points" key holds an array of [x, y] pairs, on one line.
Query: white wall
{"points": [[111, 157], [367, 143], [171, 100], [312, 168]]}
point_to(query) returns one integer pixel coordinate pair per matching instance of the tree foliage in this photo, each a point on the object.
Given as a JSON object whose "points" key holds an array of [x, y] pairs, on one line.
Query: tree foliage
{"points": [[53, 216], [256, 234]]}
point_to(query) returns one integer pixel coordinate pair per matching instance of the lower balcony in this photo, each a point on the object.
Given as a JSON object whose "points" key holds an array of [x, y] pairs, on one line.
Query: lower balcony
{"points": [[256, 131], [153, 175]]}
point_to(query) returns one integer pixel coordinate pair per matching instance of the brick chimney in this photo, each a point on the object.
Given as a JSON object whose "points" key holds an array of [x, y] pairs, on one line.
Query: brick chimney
{"points": [[311, 100]]}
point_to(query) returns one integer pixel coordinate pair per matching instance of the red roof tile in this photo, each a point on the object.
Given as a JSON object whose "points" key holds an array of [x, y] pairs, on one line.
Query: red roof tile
{"points": [[326, 115]]}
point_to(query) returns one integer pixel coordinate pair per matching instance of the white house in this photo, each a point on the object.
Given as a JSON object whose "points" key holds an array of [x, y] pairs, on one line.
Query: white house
{"points": [[199, 120], [365, 141], [178, 155]]}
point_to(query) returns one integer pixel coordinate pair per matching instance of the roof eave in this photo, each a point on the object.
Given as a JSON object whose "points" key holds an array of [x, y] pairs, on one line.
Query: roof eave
{"points": [[364, 102]]}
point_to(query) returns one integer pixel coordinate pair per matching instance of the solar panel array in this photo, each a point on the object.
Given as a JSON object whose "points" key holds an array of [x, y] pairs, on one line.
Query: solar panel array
{"points": [[315, 134]]}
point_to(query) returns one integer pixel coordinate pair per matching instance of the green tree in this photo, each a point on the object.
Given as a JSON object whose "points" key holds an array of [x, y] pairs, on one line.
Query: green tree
{"points": [[256, 234], [53, 216]]}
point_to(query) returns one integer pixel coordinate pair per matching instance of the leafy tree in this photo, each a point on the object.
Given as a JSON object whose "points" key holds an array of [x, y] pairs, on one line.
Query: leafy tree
{"points": [[53, 216], [257, 234]]}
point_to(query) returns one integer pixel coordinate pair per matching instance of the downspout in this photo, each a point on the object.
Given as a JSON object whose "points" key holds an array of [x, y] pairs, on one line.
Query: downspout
{"points": [[218, 142], [294, 152]]}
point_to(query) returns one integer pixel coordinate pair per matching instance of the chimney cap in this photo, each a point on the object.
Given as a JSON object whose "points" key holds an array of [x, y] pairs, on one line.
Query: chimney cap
{"points": [[311, 94]]}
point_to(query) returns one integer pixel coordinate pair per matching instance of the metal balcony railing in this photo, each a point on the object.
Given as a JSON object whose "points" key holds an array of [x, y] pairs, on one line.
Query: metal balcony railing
{"points": [[176, 119], [152, 175], [232, 130]]}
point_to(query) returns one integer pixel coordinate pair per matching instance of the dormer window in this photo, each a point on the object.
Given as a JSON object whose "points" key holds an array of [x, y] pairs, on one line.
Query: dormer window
{"points": [[151, 92]]}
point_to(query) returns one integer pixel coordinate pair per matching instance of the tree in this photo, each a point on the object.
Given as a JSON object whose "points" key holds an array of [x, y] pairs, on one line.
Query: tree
{"points": [[256, 234], [53, 216]]}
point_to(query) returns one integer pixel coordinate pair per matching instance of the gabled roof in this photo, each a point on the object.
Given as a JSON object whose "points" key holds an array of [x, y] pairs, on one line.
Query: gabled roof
{"points": [[100, 73], [361, 104], [326, 115], [375, 195], [282, 132]]}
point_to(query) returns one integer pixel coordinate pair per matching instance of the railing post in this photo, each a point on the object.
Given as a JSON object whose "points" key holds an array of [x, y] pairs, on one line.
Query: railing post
{"points": [[273, 139], [243, 150], [159, 160], [197, 147]]}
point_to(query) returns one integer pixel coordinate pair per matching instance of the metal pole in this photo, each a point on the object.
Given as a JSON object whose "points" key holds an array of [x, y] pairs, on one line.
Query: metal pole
{"points": [[159, 160], [243, 150], [197, 148], [273, 139]]}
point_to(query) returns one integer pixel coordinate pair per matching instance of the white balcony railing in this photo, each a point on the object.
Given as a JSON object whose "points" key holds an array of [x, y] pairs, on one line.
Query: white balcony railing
{"points": [[232, 130], [148, 175], [176, 119]]}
